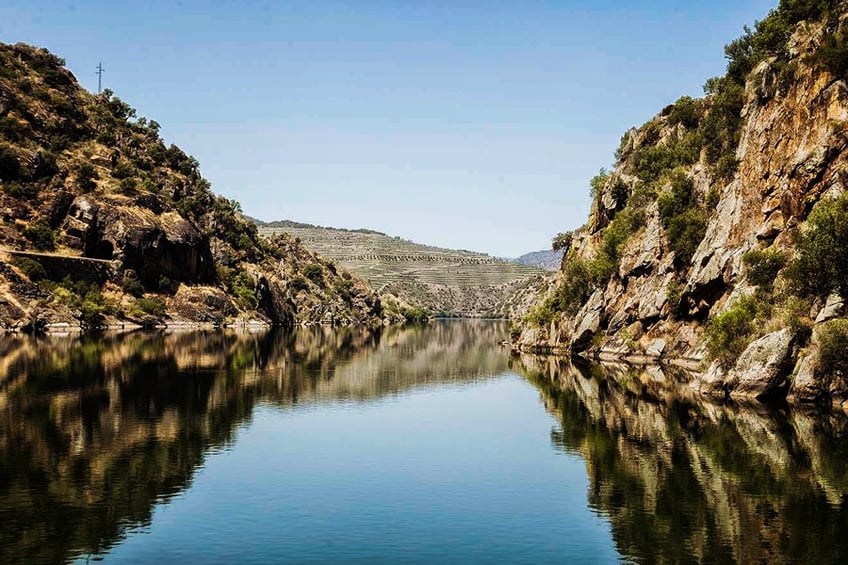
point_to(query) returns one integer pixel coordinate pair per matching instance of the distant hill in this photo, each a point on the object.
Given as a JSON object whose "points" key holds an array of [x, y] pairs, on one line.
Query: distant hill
{"points": [[444, 281], [288, 224], [547, 259]]}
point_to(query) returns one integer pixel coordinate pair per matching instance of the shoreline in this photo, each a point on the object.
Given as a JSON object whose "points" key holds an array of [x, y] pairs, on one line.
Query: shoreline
{"points": [[692, 366]]}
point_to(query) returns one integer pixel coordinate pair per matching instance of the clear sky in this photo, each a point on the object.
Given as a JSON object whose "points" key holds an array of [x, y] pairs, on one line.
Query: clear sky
{"points": [[473, 125]]}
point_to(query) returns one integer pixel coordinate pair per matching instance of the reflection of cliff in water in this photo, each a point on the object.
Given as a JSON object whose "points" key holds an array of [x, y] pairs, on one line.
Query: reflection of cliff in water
{"points": [[94, 432], [682, 480]]}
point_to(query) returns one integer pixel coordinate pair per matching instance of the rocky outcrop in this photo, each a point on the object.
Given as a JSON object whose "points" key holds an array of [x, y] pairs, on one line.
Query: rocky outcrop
{"points": [[142, 235], [672, 223], [762, 371], [108, 225]]}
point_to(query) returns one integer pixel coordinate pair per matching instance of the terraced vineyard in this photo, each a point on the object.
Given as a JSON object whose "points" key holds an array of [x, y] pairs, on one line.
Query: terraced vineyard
{"points": [[444, 281]]}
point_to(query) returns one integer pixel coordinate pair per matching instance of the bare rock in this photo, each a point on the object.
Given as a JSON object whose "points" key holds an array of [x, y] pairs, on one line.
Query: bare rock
{"points": [[764, 366], [143, 236], [657, 348], [806, 386], [588, 322], [833, 308], [643, 254]]}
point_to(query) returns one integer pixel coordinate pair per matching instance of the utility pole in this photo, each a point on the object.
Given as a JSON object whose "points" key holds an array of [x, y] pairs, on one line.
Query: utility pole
{"points": [[100, 70]]}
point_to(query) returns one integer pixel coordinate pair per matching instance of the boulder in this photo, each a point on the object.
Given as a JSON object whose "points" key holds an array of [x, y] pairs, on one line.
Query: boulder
{"points": [[805, 386], [763, 368]]}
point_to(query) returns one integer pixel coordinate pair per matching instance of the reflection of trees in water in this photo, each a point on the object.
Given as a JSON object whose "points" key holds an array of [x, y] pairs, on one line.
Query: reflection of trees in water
{"points": [[93, 432], [682, 480]]}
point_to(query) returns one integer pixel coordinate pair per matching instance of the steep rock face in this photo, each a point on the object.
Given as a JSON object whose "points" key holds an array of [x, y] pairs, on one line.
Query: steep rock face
{"points": [[142, 235], [689, 221]]}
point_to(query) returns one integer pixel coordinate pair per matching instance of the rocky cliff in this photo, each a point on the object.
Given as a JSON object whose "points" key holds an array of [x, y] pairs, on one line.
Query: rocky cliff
{"points": [[719, 236], [104, 223]]}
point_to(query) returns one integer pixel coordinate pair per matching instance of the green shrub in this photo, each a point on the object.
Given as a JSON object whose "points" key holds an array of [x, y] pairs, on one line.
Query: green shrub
{"points": [[414, 315], [796, 317], [244, 289], [832, 338], [683, 219], [833, 54], [123, 170], [713, 196], [677, 200], [298, 283], [127, 185], [597, 183], [821, 261], [763, 266], [23, 190], [618, 232], [91, 315], [562, 241], [542, 315], [729, 333], [674, 292], [151, 306], [652, 161], [575, 288], [41, 235], [725, 167], [315, 273], [684, 233], [88, 300], [33, 270], [86, 175], [723, 120], [10, 128], [686, 111], [133, 286], [46, 164], [224, 275]]}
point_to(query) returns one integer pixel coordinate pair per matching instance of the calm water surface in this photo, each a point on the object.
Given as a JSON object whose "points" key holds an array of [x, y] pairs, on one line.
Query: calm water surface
{"points": [[416, 445]]}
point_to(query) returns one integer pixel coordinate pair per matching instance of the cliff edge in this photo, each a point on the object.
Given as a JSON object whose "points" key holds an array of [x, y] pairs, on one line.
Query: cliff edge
{"points": [[720, 237]]}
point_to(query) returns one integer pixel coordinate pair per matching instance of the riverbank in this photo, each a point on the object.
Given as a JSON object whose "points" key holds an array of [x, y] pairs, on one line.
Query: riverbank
{"points": [[689, 376]]}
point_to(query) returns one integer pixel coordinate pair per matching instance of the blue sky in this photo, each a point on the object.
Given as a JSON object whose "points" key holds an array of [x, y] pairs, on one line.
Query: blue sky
{"points": [[473, 125]]}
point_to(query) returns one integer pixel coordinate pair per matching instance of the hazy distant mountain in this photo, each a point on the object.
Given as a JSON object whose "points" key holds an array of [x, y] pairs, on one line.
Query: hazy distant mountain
{"points": [[547, 259], [443, 281]]}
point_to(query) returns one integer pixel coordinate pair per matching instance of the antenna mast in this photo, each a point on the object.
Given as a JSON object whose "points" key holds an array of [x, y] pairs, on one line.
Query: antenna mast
{"points": [[100, 70]]}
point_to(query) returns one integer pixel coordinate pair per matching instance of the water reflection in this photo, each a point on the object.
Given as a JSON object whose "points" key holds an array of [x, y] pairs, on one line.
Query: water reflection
{"points": [[682, 480], [95, 432]]}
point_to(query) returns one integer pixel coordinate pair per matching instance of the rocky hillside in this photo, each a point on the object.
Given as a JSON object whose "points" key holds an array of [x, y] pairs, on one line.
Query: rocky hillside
{"points": [[721, 234], [104, 223], [547, 259], [446, 282]]}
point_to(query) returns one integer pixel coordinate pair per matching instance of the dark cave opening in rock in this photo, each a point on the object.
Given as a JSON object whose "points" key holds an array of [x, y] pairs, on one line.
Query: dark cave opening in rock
{"points": [[104, 250]]}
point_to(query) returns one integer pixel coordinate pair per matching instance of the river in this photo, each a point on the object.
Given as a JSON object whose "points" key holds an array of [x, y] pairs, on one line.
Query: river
{"points": [[425, 444]]}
